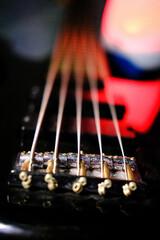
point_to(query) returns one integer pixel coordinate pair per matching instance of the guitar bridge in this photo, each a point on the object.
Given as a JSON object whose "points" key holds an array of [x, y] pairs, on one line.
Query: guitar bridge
{"points": [[41, 185]]}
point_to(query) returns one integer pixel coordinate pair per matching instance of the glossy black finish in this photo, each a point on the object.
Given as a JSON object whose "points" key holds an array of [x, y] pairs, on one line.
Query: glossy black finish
{"points": [[83, 219]]}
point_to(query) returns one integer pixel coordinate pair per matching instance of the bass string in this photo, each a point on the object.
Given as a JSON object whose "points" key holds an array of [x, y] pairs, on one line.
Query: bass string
{"points": [[91, 71], [94, 97], [116, 126], [62, 98], [51, 76], [65, 76], [78, 121], [92, 74], [113, 112], [79, 78], [104, 73]]}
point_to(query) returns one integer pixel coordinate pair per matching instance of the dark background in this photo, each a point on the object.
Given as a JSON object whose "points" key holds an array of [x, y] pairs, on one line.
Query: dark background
{"points": [[18, 75]]}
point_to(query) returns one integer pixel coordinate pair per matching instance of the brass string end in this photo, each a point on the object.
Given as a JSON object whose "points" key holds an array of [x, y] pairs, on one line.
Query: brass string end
{"points": [[52, 183], [26, 179], [25, 165], [50, 166], [82, 171], [130, 174], [78, 185], [106, 172], [131, 186]]}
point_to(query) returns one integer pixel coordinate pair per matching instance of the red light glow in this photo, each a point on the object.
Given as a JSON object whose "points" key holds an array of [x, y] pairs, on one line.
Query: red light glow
{"points": [[141, 100], [132, 26]]}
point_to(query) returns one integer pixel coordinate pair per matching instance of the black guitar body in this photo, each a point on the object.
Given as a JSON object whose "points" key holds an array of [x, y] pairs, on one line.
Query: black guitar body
{"points": [[66, 213], [38, 213]]}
